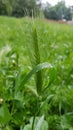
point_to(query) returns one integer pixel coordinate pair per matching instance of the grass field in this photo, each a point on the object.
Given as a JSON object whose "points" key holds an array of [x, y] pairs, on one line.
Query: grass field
{"points": [[51, 106]]}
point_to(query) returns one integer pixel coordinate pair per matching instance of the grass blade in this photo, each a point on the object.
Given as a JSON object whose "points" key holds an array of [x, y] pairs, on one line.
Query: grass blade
{"points": [[20, 85]]}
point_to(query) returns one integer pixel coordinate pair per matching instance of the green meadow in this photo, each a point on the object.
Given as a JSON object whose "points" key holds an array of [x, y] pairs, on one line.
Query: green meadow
{"points": [[36, 74]]}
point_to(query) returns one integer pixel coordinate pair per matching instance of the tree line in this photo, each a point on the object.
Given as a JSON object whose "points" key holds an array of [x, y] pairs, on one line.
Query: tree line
{"points": [[58, 12], [21, 8]]}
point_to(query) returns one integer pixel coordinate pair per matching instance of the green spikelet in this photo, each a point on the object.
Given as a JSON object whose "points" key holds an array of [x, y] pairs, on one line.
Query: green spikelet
{"points": [[37, 60]]}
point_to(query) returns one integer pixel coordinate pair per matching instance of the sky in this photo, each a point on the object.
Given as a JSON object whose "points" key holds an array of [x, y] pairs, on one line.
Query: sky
{"points": [[53, 2]]}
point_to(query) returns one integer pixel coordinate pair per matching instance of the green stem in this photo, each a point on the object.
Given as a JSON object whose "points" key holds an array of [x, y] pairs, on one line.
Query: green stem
{"points": [[33, 123]]}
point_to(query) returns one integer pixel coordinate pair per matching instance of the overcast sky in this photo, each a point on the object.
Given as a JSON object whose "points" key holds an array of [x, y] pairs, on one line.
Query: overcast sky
{"points": [[53, 2]]}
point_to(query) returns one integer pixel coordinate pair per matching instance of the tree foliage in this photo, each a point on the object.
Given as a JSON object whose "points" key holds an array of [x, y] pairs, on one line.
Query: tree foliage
{"points": [[58, 12], [19, 8]]}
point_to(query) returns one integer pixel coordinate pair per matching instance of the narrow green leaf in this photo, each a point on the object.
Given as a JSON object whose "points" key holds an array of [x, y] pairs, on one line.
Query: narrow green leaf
{"points": [[52, 74], [52, 77], [33, 71], [46, 100]]}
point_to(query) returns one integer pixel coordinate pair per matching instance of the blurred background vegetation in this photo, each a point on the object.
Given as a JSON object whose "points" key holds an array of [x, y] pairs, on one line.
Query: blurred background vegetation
{"points": [[21, 8]]}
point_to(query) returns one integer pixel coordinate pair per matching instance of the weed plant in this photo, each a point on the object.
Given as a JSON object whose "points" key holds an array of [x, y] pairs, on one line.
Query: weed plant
{"points": [[36, 75]]}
